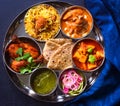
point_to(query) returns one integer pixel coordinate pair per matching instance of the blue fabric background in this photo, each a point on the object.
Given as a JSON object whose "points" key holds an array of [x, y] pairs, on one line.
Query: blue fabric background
{"points": [[106, 90]]}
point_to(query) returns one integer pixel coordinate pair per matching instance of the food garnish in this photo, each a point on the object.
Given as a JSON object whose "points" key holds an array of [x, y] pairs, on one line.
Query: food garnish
{"points": [[26, 57], [72, 82], [19, 51], [90, 50], [91, 59]]}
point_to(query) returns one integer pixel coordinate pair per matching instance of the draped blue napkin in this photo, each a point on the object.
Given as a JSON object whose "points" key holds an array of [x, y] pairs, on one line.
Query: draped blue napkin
{"points": [[106, 89]]}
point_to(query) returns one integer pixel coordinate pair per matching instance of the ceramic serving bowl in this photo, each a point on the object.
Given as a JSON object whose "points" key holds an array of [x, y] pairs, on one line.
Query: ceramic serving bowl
{"points": [[72, 82], [21, 55], [76, 22], [88, 55], [43, 81]]}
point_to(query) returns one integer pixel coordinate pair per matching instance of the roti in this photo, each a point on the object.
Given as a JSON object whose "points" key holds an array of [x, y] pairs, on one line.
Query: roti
{"points": [[49, 49], [52, 45], [61, 59], [61, 41]]}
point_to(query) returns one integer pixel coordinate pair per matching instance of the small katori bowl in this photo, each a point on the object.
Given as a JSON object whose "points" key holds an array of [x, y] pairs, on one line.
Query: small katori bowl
{"points": [[42, 22], [76, 22], [88, 55], [19, 58], [72, 82], [43, 81]]}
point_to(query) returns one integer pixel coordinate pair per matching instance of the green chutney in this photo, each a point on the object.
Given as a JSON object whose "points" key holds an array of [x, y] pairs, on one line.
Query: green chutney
{"points": [[44, 82]]}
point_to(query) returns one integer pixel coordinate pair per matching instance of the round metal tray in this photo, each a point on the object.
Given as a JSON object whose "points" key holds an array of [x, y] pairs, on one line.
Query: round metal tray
{"points": [[22, 81]]}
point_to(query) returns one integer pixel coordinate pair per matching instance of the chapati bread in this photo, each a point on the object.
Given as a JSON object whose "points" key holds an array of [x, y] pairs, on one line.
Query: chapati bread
{"points": [[52, 45], [49, 49], [62, 58], [61, 41]]}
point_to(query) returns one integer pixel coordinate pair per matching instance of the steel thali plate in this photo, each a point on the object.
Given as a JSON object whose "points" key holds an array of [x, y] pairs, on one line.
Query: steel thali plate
{"points": [[22, 82]]}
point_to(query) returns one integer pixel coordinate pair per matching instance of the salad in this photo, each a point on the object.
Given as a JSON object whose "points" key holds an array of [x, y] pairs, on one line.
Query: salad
{"points": [[72, 83]]}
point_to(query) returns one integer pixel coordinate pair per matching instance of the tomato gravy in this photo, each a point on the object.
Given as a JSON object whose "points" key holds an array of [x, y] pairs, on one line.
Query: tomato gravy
{"points": [[76, 22]]}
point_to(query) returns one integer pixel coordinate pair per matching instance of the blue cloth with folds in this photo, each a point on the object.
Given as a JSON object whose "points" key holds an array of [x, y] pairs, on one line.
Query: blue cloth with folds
{"points": [[106, 89]]}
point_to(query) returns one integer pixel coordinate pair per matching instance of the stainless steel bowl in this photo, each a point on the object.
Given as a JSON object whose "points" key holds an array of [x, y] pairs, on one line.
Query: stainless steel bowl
{"points": [[73, 21], [97, 45], [8, 59], [34, 80], [78, 72], [38, 11]]}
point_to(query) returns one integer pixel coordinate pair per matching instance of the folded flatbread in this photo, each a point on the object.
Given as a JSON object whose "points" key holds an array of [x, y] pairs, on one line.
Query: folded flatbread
{"points": [[61, 59], [52, 45], [61, 41]]}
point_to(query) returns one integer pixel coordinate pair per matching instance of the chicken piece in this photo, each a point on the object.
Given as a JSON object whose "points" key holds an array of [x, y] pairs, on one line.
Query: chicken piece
{"points": [[67, 16], [40, 59], [72, 13], [15, 39], [12, 49], [40, 24], [77, 12], [24, 45], [71, 31], [16, 65], [33, 52], [30, 49], [54, 18], [79, 20]]}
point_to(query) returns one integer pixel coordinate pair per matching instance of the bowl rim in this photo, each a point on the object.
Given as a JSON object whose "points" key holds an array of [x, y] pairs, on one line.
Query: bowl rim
{"points": [[70, 8], [33, 6], [10, 42], [38, 71], [103, 60], [81, 73]]}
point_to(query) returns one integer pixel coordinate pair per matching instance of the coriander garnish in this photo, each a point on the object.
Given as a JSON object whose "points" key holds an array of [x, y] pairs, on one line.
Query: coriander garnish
{"points": [[90, 50], [91, 58], [19, 51], [27, 57]]}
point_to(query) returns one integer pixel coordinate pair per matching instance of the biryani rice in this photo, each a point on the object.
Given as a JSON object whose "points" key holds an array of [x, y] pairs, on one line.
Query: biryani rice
{"points": [[47, 12]]}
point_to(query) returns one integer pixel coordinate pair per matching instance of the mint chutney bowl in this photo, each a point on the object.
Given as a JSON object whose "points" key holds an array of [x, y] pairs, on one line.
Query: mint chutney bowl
{"points": [[43, 81]]}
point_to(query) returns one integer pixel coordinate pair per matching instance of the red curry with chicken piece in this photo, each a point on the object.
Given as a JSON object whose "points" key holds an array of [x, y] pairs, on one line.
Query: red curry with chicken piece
{"points": [[76, 22], [88, 54], [24, 56], [12, 49]]}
